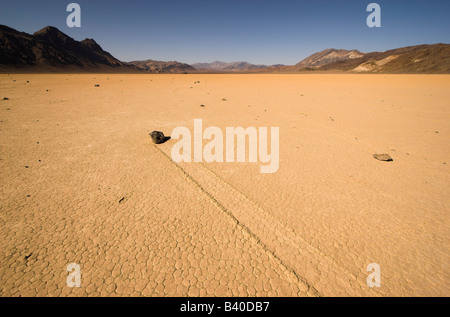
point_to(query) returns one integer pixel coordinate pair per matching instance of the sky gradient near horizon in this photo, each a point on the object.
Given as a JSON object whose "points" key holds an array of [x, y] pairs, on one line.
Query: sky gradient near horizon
{"points": [[257, 31]]}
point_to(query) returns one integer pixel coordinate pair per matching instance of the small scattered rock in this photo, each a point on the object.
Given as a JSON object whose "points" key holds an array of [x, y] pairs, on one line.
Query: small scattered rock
{"points": [[203, 106], [223, 99], [5, 98], [121, 199], [28, 256], [97, 85], [157, 137], [383, 157]]}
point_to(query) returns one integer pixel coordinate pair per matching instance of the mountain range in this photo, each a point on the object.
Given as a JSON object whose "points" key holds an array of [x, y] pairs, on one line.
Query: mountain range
{"points": [[227, 67], [50, 50], [158, 67]]}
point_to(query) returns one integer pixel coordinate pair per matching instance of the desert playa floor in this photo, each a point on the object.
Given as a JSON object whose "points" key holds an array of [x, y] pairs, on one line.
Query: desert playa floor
{"points": [[81, 182]]}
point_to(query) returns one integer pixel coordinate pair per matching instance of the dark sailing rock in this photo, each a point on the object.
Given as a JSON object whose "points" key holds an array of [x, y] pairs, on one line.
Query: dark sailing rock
{"points": [[157, 137], [383, 157]]}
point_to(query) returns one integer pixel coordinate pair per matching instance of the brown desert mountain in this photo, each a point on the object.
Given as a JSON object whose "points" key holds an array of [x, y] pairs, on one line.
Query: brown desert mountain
{"points": [[227, 67], [421, 59], [163, 67], [50, 50], [329, 56]]}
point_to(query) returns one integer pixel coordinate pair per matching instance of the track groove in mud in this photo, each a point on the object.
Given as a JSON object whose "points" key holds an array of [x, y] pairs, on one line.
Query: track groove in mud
{"points": [[295, 240], [305, 285]]}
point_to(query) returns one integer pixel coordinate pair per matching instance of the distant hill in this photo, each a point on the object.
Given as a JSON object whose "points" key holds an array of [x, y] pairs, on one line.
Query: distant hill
{"points": [[429, 59], [421, 59], [329, 56], [163, 67], [226, 67], [50, 50]]}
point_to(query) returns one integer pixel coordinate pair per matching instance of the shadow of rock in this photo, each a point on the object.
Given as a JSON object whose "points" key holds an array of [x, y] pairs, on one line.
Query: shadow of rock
{"points": [[166, 138]]}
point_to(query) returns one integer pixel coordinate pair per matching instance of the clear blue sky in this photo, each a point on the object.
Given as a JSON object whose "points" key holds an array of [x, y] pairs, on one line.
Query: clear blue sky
{"points": [[257, 31]]}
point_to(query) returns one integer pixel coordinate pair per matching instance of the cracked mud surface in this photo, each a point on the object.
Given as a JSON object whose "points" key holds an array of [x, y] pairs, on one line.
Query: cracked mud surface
{"points": [[83, 183]]}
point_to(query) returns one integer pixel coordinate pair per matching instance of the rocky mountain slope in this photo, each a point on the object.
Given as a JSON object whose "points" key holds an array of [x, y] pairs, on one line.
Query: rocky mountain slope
{"points": [[329, 56], [51, 50], [412, 59], [163, 67], [227, 67]]}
